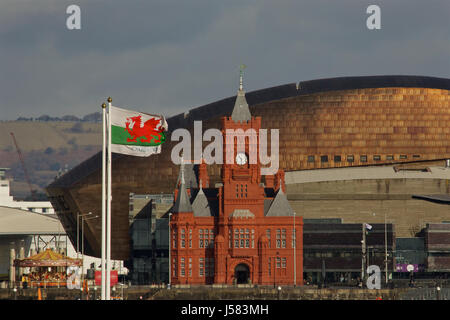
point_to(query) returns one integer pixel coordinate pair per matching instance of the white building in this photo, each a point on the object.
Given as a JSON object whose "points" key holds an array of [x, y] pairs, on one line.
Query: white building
{"points": [[6, 200]]}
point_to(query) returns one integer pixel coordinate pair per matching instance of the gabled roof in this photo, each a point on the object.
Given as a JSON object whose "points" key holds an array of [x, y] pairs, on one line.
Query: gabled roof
{"points": [[280, 206]]}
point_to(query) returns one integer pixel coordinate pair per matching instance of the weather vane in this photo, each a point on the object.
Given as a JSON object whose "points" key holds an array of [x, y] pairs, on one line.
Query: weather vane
{"points": [[241, 73]]}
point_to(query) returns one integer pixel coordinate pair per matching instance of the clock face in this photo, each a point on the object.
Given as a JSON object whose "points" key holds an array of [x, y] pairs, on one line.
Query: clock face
{"points": [[241, 159]]}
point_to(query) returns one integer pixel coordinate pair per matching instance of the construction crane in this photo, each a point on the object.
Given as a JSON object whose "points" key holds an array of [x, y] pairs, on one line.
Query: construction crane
{"points": [[33, 192]]}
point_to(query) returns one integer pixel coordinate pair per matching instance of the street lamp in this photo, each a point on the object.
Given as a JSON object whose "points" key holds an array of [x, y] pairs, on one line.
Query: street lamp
{"points": [[78, 229], [170, 257], [294, 245], [275, 269], [385, 249], [82, 239]]}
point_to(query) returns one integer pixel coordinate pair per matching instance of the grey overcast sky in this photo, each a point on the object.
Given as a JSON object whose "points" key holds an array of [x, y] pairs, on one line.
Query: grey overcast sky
{"points": [[169, 56]]}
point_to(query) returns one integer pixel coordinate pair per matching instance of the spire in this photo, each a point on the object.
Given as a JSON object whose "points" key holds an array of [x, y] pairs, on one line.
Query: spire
{"points": [[241, 112], [182, 203]]}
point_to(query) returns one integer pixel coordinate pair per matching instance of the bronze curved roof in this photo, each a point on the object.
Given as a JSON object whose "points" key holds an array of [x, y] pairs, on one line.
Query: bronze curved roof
{"points": [[374, 116]]}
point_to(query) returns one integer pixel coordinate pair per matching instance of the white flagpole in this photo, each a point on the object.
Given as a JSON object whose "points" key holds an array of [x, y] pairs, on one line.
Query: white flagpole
{"points": [[108, 215], [104, 204]]}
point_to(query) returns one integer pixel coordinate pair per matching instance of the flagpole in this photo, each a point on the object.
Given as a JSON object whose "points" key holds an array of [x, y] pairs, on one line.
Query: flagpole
{"points": [[103, 296], [108, 215]]}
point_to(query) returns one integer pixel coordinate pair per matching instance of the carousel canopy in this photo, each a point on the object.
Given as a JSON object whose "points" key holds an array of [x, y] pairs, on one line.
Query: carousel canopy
{"points": [[47, 258]]}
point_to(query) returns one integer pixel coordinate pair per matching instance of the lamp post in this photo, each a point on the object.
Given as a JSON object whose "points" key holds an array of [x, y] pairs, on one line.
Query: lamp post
{"points": [[78, 229], [363, 249], [275, 270], [82, 240], [385, 250], [294, 245], [170, 257]]}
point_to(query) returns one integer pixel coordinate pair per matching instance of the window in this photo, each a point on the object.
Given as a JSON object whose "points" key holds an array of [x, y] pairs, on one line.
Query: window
{"points": [[283, 238], [190, 267], [323, 158], [174, 238], [201, 267], [283, 263], [363, 158], [211, 237], [376, 158], [278, 263], [183, 243], [268, 236], [182, 267], [242, 238], [416, 156], [310, 158], [337, 158], [294, 237], [389, 157], [278, 238], [270, 267], [403, 156], [253, 238], [350, 158]]}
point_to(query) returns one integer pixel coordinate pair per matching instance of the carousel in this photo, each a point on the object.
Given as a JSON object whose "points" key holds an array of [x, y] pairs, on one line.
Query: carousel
{"points": [[47, 268]]}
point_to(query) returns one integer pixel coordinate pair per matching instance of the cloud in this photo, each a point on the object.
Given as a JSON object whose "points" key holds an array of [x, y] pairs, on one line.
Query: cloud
{"points": [[167, 56]]}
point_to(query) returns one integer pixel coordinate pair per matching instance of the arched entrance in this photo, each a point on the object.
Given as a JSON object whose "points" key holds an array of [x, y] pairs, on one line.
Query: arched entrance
{"points": [[241, 273]]}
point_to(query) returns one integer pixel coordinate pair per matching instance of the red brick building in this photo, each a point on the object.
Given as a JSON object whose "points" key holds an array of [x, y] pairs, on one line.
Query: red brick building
{"points": [[242, 230]]}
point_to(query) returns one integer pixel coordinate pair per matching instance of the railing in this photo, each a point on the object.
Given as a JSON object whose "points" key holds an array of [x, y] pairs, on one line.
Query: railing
{"points": [[47, 283]]}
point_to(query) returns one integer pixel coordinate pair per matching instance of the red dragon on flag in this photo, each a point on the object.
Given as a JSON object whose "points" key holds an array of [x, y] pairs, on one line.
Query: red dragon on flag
{"points": [[148, 131]]}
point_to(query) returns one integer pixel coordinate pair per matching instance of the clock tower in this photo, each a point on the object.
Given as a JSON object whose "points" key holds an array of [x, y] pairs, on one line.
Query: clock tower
{"points": [[241, 171], [241, 230]]}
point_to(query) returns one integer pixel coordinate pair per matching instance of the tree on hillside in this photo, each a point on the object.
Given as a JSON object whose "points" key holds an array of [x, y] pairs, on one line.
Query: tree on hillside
{"points": [[93, 117], [70, 118]]}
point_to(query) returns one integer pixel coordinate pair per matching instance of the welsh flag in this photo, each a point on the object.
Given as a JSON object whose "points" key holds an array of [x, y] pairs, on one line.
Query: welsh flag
{"points": [[135, 133]]}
